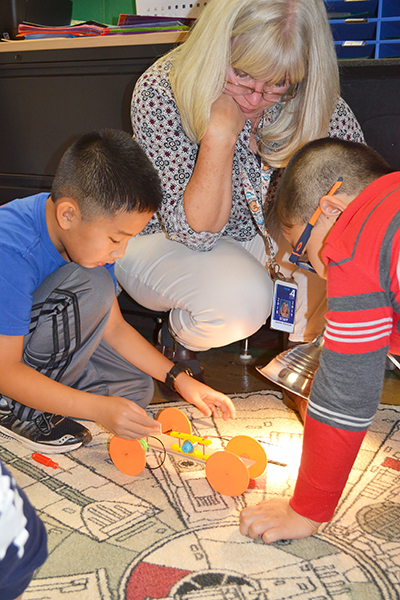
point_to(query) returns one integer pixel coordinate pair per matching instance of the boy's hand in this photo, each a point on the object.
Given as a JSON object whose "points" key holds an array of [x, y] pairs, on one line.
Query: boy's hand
{"points": [[208, 401], [275, 520], [124, 418]]}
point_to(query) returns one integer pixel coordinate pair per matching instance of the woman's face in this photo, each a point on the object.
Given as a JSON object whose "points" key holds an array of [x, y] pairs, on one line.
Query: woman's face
{"points": [[253, 95]]}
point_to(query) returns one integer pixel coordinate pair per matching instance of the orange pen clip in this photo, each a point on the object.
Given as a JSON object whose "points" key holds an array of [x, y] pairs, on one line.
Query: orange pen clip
{"points": [[299, 247]]}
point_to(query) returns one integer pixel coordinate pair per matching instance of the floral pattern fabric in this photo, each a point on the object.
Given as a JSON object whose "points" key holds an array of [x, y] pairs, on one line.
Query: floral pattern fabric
{"points": [[158, 130]]}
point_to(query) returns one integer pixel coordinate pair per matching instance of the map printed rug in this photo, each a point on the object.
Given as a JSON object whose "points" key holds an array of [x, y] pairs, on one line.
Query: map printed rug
{"points": [[167, 534]]}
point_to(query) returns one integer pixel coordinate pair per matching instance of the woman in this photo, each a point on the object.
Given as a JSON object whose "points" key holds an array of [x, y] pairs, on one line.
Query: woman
{"points": [[219, 117]]}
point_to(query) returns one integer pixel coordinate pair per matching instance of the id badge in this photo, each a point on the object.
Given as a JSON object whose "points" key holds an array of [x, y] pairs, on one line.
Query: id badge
{"points": [[284, 305]]}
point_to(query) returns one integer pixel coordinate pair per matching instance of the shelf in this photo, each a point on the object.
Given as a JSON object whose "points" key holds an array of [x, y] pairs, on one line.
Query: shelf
{"points": [[365, 29]]}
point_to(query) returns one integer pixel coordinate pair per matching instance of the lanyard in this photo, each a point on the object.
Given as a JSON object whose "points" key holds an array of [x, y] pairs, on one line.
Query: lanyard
{"points": [[257, 209], [285, 291]]}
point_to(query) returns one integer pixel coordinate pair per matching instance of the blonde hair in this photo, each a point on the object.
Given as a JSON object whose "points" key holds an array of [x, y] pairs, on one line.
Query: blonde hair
{"points": [[268, 39]]}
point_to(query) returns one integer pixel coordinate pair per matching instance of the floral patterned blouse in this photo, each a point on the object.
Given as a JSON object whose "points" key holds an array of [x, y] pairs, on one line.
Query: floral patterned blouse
{"points": [[157, 128]]}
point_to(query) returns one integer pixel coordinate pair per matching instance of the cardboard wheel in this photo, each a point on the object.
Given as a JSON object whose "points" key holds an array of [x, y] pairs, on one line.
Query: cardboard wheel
{"points": [[248, 447], [227, 473], [173, 419], [128, 456]]}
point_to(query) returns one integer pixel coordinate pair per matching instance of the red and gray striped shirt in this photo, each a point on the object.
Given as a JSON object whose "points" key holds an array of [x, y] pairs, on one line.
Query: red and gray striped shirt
{"points": [[362, 253]]}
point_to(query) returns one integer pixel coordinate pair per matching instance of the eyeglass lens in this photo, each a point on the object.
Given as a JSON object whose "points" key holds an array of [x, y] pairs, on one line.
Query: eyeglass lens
{"points": [[244, 90]]}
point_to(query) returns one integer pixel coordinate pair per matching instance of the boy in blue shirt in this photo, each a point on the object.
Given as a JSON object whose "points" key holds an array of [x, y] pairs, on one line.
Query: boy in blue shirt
{"points": [[65, 349]]}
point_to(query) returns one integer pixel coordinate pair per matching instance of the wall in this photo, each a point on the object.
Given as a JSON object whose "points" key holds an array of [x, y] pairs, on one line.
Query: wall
{"points": [[102, 11], [50, 97]]}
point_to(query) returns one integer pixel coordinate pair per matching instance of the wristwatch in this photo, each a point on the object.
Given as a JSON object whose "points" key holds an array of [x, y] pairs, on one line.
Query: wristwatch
{"points": [[178, 367]]}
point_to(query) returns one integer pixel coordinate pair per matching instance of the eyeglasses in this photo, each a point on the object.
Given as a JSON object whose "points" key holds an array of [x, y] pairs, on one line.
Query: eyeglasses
{"points": [[238, 89], [305, 236]]}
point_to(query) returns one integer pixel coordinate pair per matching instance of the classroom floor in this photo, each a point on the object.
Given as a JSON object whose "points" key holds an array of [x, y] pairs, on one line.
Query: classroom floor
{"points": [[226, 371]]}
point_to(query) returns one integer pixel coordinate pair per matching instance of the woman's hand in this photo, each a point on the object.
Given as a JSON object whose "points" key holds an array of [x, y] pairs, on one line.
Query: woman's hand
{"points": [[275, 520], [208, 401], [226, 118], [124, 418]]}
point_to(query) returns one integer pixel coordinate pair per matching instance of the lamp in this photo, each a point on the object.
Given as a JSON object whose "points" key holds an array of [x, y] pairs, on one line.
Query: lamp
{"points": [[294, 369]]}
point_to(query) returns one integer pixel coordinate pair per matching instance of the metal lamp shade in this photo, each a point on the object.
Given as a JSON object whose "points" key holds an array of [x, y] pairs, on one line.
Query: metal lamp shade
{"points": [[294, 369]]}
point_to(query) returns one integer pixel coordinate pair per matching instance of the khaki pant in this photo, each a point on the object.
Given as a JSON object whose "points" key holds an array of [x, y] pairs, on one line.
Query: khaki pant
{"points": [[215, 297]]}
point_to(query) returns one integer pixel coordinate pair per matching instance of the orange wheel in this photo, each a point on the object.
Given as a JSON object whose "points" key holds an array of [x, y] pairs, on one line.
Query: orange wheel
{"points": [[248, 447], [227, 474], [127, 455], [173, 419]]}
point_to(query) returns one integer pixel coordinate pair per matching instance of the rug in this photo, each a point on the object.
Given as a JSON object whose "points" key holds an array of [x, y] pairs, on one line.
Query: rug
{"points": [[167, 534]]}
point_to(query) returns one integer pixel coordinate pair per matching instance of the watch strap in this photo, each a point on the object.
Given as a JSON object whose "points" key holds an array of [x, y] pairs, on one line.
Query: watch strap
{"points": [[178, 368]]}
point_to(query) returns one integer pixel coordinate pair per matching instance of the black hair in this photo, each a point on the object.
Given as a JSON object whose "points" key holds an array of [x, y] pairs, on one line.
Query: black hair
{"points": [[315, 168], [106, 172]]}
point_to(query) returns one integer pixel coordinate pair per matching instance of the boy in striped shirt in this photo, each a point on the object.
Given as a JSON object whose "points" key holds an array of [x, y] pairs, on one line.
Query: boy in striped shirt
{"points": [[353, 241]]}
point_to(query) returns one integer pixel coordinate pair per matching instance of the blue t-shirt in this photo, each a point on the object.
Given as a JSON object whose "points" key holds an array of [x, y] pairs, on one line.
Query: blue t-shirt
{"points": [[27, 257]]}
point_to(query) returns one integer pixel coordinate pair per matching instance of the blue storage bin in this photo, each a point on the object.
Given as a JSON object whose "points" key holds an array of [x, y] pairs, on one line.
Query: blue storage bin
{"points": [[389, 50], [390, 29], [363, 29], [390, 8], [354, 50], [340, 9]]}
